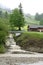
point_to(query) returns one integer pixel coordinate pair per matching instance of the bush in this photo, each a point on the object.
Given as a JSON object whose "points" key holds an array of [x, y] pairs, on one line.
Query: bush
{"points": [[3, 34], [2, 48]]}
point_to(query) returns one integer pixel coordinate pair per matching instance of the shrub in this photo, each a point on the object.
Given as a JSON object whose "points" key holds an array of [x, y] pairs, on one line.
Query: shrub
{"points": [[2, 48], [3, 33]]}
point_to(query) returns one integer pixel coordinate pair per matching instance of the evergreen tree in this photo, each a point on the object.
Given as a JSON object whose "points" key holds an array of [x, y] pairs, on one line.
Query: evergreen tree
{"points": [[17, 18]]}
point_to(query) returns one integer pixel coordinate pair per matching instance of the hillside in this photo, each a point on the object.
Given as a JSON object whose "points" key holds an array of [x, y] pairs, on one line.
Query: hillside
{"points": [[4, 9], [31, 20], [30, 41], [28, 18]]}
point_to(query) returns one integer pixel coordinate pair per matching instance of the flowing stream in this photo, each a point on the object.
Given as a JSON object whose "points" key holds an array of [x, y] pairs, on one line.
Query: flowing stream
{"points": [[15, 48]]}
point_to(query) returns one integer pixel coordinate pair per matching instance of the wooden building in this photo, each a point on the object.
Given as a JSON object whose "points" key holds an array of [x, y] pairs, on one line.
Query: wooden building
{"points": [[38, 28]]}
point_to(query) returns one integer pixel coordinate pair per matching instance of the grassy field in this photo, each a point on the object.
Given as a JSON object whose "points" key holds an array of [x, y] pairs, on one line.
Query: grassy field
{"points": [[31, 21]]}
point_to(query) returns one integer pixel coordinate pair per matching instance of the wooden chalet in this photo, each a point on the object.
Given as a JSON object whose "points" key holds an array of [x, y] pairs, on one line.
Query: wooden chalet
{"points": [[38, 28]]}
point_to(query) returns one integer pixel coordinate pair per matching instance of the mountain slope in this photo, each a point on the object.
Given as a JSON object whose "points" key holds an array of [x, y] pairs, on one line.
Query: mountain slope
{"points": [[31, 20], [3, 8]]}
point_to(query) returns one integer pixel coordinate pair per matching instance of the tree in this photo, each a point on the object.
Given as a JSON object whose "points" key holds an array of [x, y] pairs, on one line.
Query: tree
{"points": [[0, 13], [41, 22], [20, 9], [37, 17], [17, 18], [6, 14]]}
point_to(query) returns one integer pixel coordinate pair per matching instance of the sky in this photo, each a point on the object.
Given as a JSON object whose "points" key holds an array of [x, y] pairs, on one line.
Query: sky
{"points": [[29, 6]]}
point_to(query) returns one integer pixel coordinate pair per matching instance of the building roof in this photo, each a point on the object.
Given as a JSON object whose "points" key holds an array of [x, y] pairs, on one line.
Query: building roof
{"points": [[35, 26]]}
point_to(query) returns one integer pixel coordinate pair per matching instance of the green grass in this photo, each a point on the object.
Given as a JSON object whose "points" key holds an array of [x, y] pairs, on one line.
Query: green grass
{"points": [[34, 34], [31, 21], [24, 28], [30, 39]]}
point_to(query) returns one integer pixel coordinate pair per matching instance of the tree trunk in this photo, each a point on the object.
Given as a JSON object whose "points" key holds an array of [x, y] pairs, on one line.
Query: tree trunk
{"points": [[20, 28]]}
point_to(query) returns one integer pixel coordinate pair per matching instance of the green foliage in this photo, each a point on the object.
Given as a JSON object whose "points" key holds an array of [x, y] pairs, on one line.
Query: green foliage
{"points": [[41, 22], [16, 19], [30, 39], [20, 9], [3, 14], [39, 17], [6, 15], [2, 49], [4, 28], [0, 13], [6, 22], [3, 32], [30, 21]]}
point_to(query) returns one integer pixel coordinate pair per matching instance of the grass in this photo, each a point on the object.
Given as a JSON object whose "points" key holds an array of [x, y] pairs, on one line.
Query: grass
{"points": [[30, 39], [31, 21], [35, 34], [24, 28]]}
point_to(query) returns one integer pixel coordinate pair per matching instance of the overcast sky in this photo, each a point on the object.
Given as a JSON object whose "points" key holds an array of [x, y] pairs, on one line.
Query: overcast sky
{"points": [[29, 6]]}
